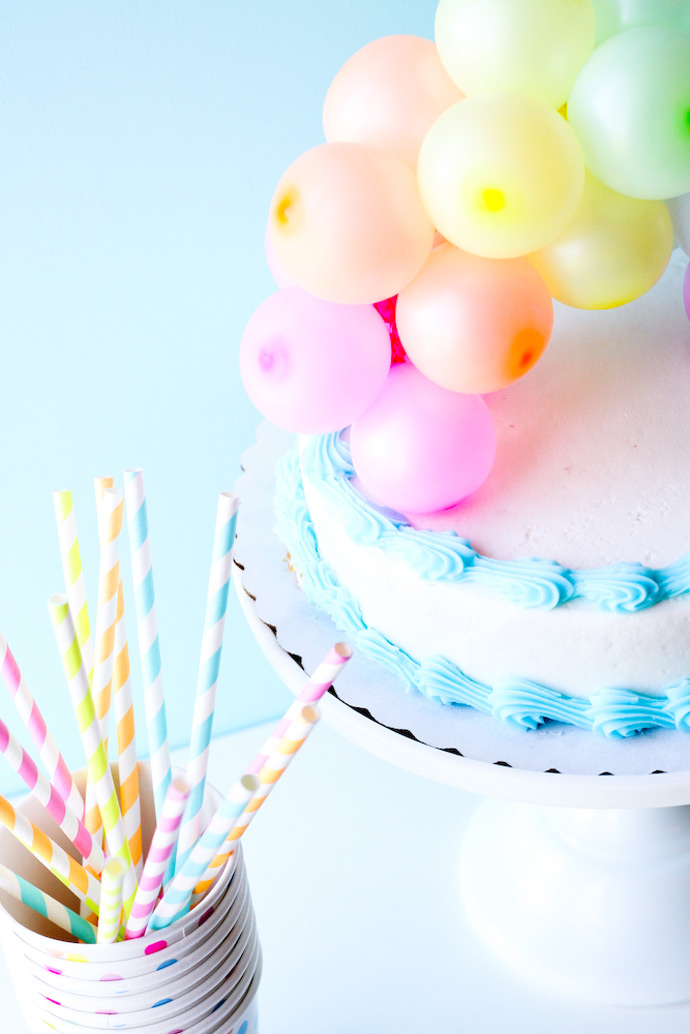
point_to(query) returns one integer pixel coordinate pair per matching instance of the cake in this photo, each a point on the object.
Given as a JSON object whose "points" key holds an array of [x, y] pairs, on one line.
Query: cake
{"points": [[552, 584]]}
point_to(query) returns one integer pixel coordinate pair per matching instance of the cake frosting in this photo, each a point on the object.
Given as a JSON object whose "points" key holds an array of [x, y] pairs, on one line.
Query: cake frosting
{"points": [[558, 591]]}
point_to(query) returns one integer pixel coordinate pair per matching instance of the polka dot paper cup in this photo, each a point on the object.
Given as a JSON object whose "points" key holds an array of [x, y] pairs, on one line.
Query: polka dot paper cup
{"points": [[193, 976]]}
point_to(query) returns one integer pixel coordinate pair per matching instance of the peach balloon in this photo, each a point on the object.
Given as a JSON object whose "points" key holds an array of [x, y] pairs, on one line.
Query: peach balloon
{"points": [[348, 225], [614, 249], [474, 325], [500, 175], [388, 94]]}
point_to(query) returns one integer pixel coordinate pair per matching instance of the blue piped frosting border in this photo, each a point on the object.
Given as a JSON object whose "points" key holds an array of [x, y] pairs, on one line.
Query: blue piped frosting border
{"points": [[517, 702], [445, 556]]}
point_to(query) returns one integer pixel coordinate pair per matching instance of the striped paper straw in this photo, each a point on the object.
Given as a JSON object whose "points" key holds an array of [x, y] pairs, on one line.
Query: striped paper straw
{"points": [[177, 895], [63, 866], [322, 679], [50, 756], [94, 749], [21, 890], [106, 610], [147, 630], [47, 796], [205, 701], [74, 577], [268, 776], [111, 901], [160, 852], [123, 706]]}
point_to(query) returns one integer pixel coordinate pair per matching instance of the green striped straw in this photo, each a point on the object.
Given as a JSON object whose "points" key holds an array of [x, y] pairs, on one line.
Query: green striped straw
{"points": [[110, 914], [209, 664], [74, 577], [96, 757], [43, 904]]}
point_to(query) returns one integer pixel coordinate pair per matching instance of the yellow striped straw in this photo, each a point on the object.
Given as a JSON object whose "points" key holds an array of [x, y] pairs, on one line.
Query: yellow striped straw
{"points": [[94, 749], [110, 915], [106, 610], [295, 735], [74, 577], [74, 876]]}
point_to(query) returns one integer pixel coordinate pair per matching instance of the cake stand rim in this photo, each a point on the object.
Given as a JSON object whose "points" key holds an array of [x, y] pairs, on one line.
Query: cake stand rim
{"points": [[654, 790]]}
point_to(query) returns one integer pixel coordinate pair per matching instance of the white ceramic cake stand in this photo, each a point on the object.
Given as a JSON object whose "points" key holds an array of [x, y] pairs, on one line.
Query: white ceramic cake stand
{"points": [[576, 878]]}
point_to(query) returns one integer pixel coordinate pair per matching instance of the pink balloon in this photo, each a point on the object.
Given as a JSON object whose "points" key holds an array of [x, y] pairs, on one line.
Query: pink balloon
{"points": [[420, 447], [312, 366], [686, 291]]}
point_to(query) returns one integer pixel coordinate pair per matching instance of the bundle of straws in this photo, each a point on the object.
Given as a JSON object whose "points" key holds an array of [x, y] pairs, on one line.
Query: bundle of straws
{"points": [[123, 894]]}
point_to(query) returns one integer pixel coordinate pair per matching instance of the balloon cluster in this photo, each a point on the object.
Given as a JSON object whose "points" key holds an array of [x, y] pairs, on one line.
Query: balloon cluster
{"points": [[465, 184]]}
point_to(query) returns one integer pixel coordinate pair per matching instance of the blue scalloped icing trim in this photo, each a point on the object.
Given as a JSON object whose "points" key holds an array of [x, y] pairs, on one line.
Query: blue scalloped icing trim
{"points": [[518, 702], [445, 556]]}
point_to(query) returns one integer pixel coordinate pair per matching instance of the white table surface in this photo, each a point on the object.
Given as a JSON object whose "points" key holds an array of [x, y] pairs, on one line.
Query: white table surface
{"points": [[352, 866]]}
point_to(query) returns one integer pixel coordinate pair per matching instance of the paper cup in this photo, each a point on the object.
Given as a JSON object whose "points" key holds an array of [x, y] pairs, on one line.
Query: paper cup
{"points": [[189, 977]]}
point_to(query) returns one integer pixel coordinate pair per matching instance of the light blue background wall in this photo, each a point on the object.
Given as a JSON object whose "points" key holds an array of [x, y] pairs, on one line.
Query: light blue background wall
{"points": [[140, 145]]}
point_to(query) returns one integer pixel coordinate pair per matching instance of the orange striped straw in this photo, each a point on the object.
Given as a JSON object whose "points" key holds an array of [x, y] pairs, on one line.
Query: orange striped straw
{"points": [[74, 876], [101, 684], [269, 774]]}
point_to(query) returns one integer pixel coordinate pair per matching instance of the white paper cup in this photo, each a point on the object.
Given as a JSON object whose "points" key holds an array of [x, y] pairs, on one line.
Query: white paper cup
{"points": [[174, 979]]}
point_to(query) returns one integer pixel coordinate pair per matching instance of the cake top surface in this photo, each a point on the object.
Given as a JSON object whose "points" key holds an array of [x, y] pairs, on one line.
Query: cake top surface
{"points": [[593, 463]]}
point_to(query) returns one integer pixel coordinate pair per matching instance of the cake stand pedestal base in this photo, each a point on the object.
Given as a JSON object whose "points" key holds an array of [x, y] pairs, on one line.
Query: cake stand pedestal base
{"points": [[592, 904]]}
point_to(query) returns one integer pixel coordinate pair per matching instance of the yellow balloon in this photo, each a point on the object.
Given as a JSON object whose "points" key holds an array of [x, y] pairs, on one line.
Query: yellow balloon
{"points": [[614, 249], [500, 175]]}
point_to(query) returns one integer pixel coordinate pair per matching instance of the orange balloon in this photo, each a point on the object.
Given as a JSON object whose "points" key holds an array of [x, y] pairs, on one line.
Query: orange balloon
{"points": [[388, 94], [474, 325], [348, 225]]}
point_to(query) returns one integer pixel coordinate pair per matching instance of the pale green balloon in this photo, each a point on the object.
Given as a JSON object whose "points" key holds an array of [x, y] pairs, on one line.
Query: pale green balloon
{"points": [[614, 16], [630, 108], [530, 47]]}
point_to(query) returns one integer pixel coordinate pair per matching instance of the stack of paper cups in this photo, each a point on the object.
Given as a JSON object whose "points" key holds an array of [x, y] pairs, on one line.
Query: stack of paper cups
{"points": [[198, 976]]}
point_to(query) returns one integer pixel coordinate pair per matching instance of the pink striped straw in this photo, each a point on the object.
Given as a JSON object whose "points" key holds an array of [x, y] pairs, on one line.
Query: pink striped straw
{"points": [[52, 759], [47, 796], [160, 852], [319, 683]]}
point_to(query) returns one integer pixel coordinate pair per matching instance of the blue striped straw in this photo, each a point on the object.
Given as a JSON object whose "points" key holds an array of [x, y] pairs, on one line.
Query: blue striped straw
{"points": [[209, 664], [147, 629], [175, 901], [45, 905]]}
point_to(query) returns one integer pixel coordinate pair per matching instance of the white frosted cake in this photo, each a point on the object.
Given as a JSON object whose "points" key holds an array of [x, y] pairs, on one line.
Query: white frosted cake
{"points": [[559, 590], [503, 524]]}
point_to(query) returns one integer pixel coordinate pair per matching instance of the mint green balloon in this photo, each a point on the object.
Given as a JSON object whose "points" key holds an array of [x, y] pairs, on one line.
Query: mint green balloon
{"points": [[613, 16], [630, 109]]}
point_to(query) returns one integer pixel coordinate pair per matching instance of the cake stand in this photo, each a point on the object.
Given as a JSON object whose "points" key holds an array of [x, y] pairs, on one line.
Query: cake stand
{"points": [[575, 868]]}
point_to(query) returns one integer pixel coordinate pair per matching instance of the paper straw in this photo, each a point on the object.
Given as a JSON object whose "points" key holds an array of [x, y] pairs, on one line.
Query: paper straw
{"points": [[51, 758], [63, 866], [325, 675], [147, 631], [123, 706], [96, 758], [177, 895], [106, 611], [271, 771], [111, 901], [160, 852], [204, 704], [45, 905], [47, 796], [74, 577]]}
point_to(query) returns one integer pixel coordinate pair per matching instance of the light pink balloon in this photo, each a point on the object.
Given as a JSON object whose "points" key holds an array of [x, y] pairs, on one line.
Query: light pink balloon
{"points": [[421, 448], [281, 278], [312, 366]]}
